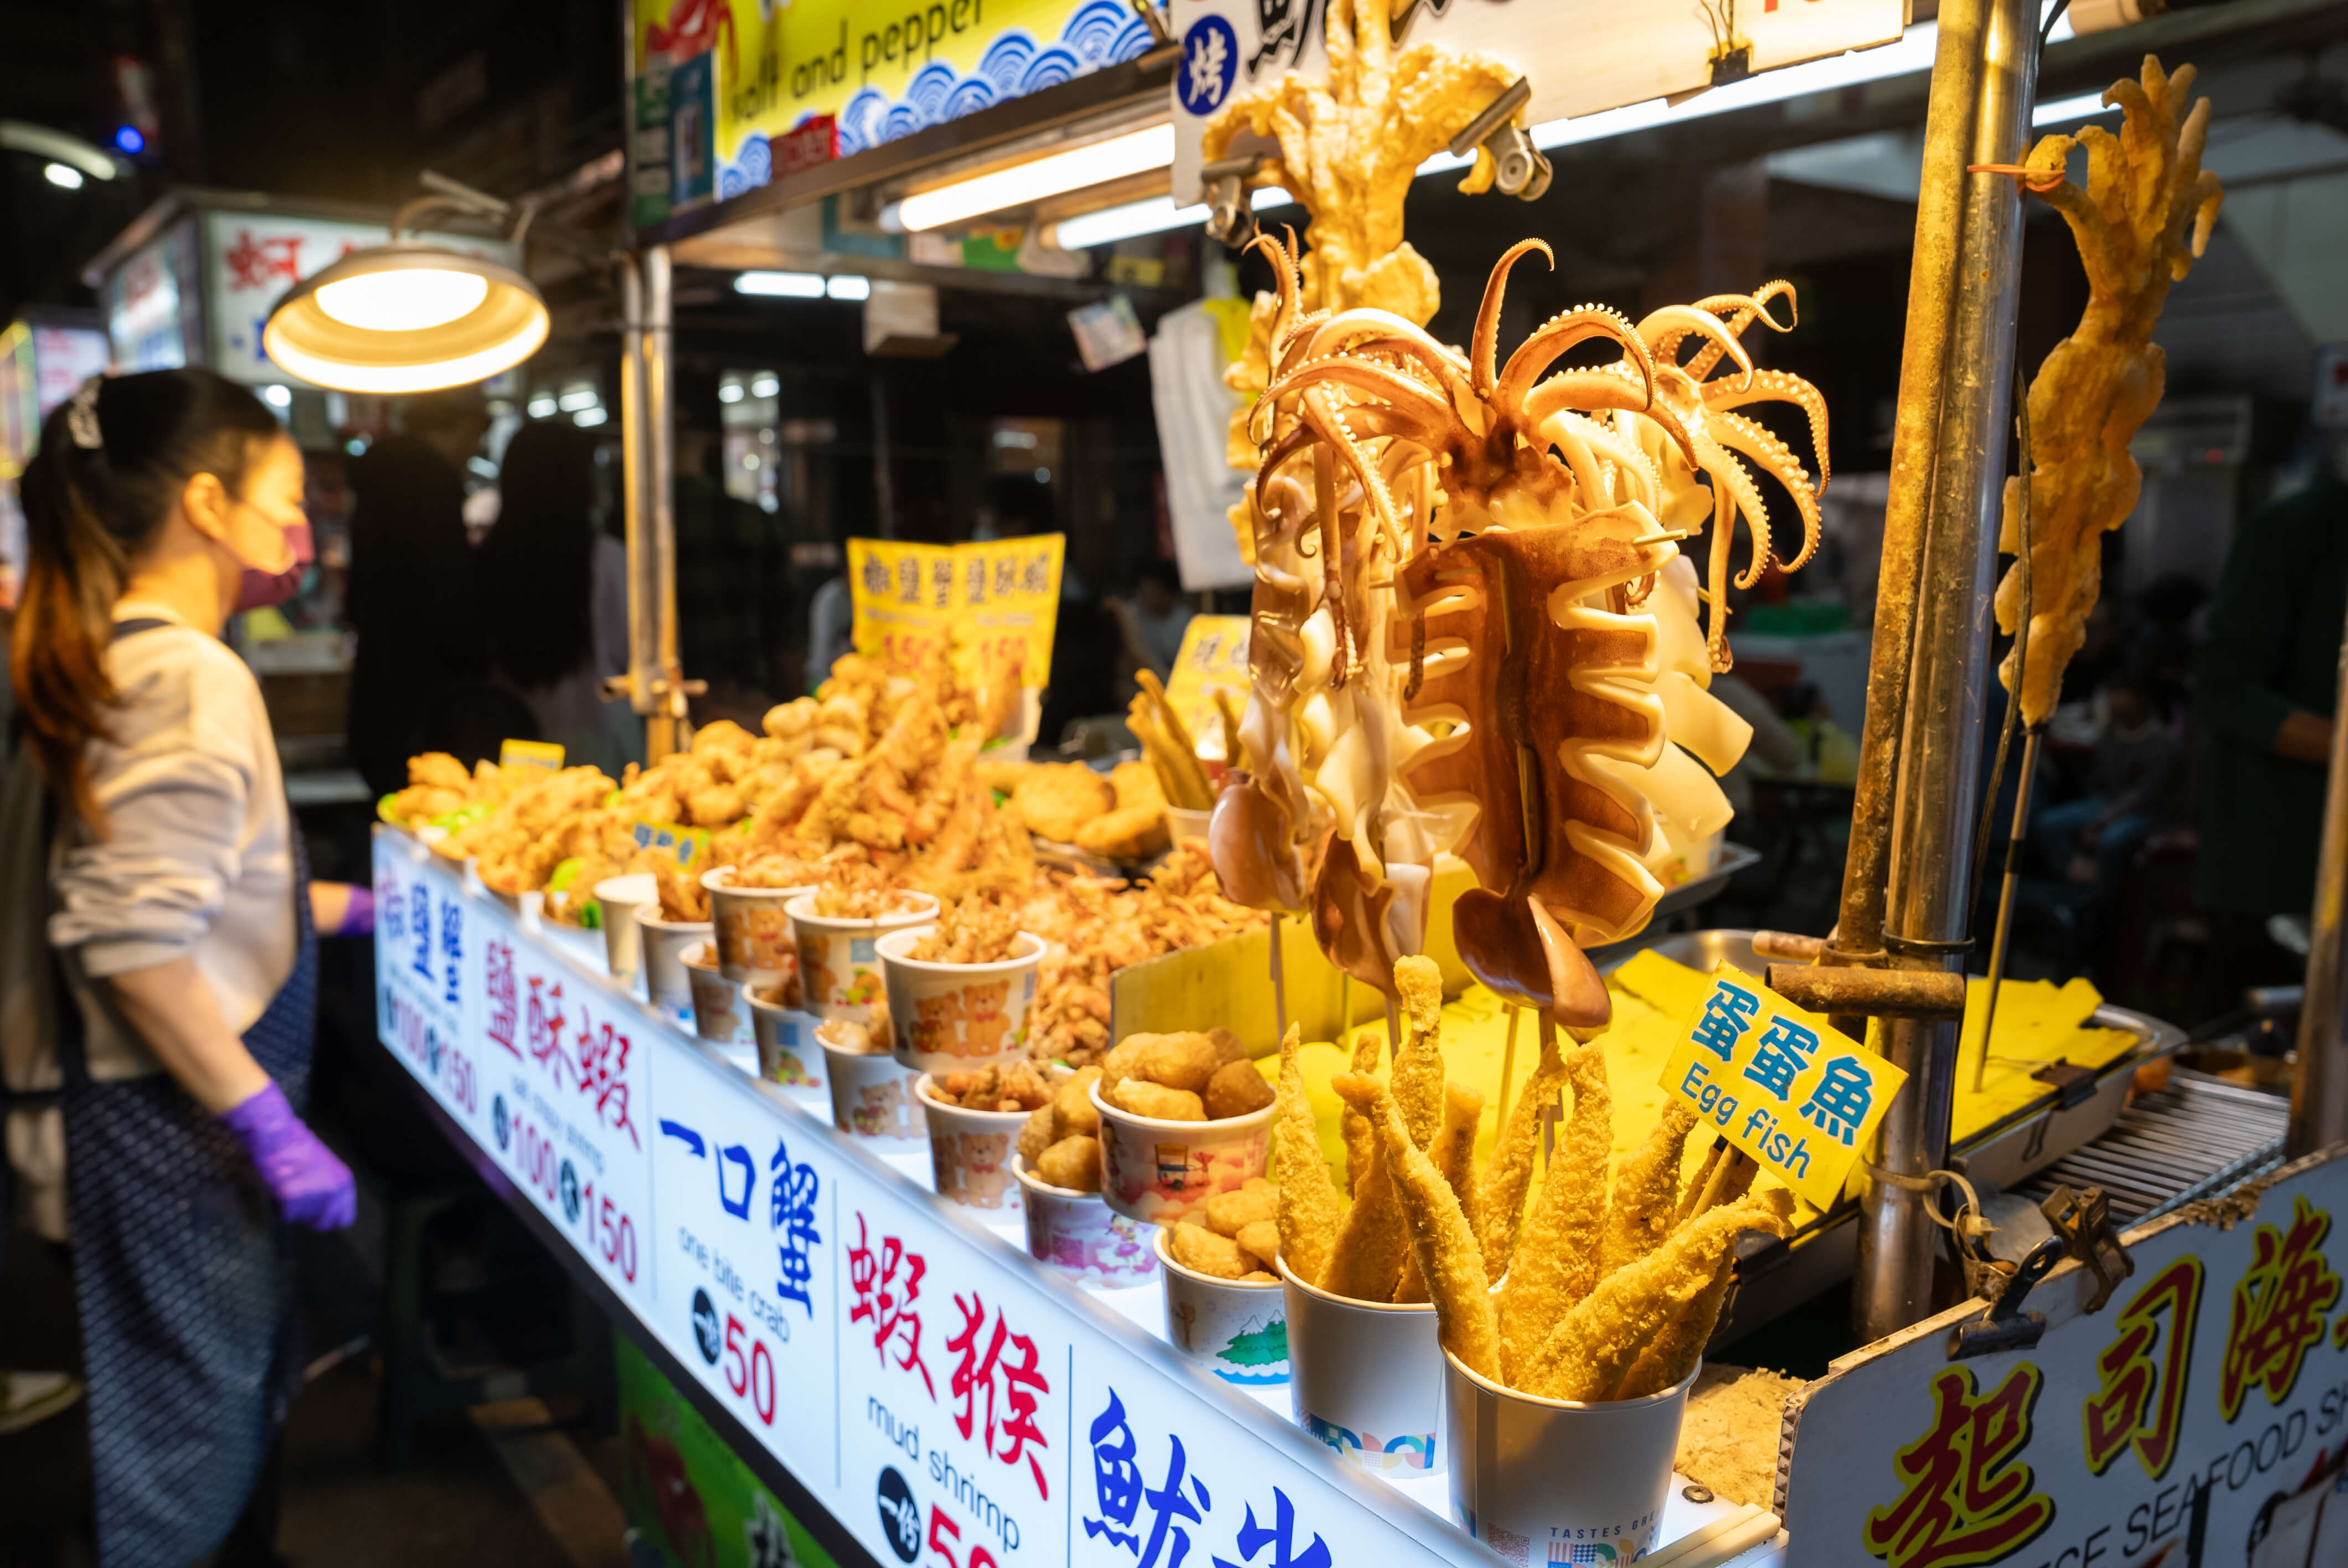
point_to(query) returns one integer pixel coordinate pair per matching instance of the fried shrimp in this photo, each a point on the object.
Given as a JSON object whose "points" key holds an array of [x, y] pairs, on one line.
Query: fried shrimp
{"points": [[1309, 1208], [1646, 1191], [1442, 1245], [1555, 1264]]}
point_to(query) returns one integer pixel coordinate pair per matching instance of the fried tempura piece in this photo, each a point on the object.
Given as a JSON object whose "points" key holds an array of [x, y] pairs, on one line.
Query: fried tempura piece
{"points": [[1201, 1251], [1680, 1344], [1143, 1098], [1237, 1089], [1137, 828], [1352, 1125], [1418, 1078], [1592, 1345], [1228, 1214], [1453, 1151], [1555, 1262], [1072, 1163], [1646, 1191], [1373, 1240], [1442, 1244], [1055, 800], [1309, 1208]]}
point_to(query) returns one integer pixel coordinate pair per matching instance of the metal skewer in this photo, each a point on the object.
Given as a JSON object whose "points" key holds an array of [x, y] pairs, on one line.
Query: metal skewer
{"points": [[2006, 895], [1508, 1064], [1279, 981]]}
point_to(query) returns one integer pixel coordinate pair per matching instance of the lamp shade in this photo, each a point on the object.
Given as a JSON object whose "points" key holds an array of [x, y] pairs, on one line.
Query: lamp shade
{"points": [[405, 317]]}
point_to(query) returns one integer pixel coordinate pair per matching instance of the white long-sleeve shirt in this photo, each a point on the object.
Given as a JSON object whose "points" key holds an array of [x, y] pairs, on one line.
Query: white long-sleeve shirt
{"points": [[196, 860]]}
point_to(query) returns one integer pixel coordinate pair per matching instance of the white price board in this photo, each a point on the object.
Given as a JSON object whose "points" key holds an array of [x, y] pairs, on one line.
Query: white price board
{"points": [[426, 933], [1580, 56]]}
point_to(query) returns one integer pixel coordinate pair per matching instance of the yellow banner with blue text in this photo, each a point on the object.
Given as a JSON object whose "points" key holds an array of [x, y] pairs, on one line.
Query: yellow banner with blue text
{"points": [[987, 602]]}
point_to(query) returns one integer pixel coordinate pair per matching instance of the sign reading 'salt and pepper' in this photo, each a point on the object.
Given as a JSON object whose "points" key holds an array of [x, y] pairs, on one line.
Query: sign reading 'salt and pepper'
{"points": [[1802, 1099]]}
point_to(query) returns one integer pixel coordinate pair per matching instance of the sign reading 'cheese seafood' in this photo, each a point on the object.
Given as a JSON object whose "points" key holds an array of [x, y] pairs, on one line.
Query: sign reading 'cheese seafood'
{"points": [[1800, 1098]]}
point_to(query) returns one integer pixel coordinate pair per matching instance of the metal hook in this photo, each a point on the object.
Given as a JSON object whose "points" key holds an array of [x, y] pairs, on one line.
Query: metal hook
{"points": [[1520, 170]]}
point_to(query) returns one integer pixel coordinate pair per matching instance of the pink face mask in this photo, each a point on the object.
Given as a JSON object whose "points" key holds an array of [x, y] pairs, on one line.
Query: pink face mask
{"points": [[264, 590]]}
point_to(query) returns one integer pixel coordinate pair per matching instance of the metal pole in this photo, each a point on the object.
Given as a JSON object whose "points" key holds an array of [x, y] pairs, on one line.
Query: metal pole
{"points": [[643, 650], [665, 725], [1928, 898], [2319, 1084]]}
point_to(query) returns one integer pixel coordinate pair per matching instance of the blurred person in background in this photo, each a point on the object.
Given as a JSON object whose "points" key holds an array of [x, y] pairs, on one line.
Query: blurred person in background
{"points": [[560, 588], [2134, 779], [422, 633], [733, 591], [157, 952], [1152, 620]]}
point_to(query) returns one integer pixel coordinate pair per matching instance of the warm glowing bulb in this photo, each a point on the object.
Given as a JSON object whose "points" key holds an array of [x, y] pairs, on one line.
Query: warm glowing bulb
{"points": [[404, 300]]}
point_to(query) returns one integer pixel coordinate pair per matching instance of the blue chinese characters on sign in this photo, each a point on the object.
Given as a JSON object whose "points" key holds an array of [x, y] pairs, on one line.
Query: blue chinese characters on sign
{"points": [[1154, 1524], [791, 1203], [1211, 58]]}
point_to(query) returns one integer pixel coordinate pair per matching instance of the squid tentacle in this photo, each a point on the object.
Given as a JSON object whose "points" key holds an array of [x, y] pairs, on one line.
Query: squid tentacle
{"points": [[1559, 334], [1484, 351], [1777, 460], [1779, 387]]}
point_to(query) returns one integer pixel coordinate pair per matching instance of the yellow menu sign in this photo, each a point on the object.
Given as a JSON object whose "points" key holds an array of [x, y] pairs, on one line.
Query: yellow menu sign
{"points": [[1214, 658], [1799, 1096], [546, 754], [988, 600]]}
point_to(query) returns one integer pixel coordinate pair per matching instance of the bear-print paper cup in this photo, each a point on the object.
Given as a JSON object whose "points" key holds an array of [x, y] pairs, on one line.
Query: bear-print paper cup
{"points": [[1367, 1378], [1525, 1470], [786, 1037], [719, 1013], [755, 944], [840, 970], [1081, 1237], [871, 1095], [969, 1151], [1160, 1172], [665, 942], [618, 899], [1236, 1330], [954, 1018]]}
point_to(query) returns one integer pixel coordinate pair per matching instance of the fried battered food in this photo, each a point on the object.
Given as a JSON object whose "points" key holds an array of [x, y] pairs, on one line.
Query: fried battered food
{"points": [[1454, 1150], [1183, 1060], [1679, 1345], [1373, 1240], [1073, 1112], [1201, 1251], [1555, 1262], [853, 899], [1137, 828], [2144, 215], [1122, 1058], [1060, 1139], [1072, 1163], [1442, 1244], [1500, 1195], [536, 828], [1036, 1134], [1309, 1208], [1167, 745], [1237, 1089], [850, 1039], [1728, 1438], [981, 928], [1069, 1020], [1142, 1097], [1596, 1342], [1007, 1086], [1257, 1200], [1646, 1190], [776, 870], [1057, 800], [1260, 1240], [1418, 1078], [1360, 1144]]}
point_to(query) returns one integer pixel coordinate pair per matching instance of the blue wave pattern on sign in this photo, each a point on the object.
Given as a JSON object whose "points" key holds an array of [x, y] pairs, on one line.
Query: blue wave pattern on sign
{"points": [[1100, 33], [753, 166]]}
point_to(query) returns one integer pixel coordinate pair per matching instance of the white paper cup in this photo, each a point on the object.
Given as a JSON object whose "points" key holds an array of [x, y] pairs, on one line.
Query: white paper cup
{"points": [[719, 1013], [1367, 1378], [1237, 1331], [1185, 826], [617, 900], [839, 968], [786, 1037], [954, 1018], [971, 1151], [665, 942], [1080, 1236], [1548, 1471], [755, 944], [871, 1095], [1160, 1172]]}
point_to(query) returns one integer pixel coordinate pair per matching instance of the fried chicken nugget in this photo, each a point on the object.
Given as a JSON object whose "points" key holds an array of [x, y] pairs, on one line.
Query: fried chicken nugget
{"points": [[1201, 1251], [1259, 1241], [1143, 1098], [1072, 1107], [1072, 1163], [1555, 1262], [1441, 1242], [1417, 1077], [1035, 1136], [1237, 1089], [1309, 1208], [1183, 1060], [1646, 1191], [1117, 1063], [1229, 1047], [1228, 1214], [1594, 1345]]}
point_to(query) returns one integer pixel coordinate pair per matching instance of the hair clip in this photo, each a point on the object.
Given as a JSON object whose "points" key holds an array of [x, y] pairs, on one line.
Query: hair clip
{"points": [[81, 416]]}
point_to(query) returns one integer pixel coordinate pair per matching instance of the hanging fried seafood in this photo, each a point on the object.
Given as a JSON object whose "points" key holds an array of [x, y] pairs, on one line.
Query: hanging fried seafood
{"points": [[2146, 189]]}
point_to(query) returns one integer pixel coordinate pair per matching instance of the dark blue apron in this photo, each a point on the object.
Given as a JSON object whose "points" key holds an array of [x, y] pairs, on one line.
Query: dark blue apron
{"points": [[190, 1341]]}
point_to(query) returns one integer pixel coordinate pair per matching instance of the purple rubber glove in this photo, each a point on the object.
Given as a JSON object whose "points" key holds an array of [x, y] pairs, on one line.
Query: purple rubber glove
{"points": [[358, 916], [311, 1186]]}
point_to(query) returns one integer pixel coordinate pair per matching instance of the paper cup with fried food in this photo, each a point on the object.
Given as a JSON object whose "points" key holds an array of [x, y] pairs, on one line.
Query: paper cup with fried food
{"points": [[1079, 1236], [1366, 1379], [617, 900], [1185, 826], [1235, 1329], [840, 963], [871, 1094], [754, 932], [1524, 1469], [664, 943], [971, 1151], [1160, 1168], [950, 1018], [786, 1037], [719, 1013]]}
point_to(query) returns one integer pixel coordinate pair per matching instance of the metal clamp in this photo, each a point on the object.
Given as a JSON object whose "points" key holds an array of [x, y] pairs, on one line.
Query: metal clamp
{"points": [[1229, 217], [1153, 16], [1518, 167], [2082, 1222], [2005, 1326]]}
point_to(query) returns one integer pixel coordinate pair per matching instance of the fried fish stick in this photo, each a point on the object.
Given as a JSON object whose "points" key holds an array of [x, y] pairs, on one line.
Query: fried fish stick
{"points": [[1352, 1125], [1690, 1199], [1441, 1243], [1646, 1191], [1592, 1345], [1680, 1346], [1453, 1153], [1373, 1241], [1417, 1077], [1556, 1264], [1309, 1208], [1500, 1195]]}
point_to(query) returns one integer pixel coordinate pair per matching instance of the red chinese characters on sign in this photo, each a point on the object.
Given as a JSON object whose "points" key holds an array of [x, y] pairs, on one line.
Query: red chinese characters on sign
{"points": [[995, 1390], [602, 1069], [256, 263], [1968, 1497], [498, 985], [2278, 1311], [543, 1022], [887, 1283], [2142, 1400]]}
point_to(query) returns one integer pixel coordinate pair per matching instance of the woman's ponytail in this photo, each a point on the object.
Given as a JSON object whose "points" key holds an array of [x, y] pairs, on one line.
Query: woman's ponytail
{"points": [[113, 461]]}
